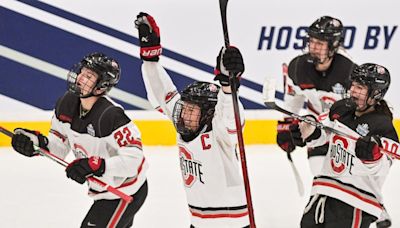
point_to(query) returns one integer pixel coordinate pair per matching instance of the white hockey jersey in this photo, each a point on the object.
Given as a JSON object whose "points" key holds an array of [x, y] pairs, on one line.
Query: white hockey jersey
{"points": [[209, 163], [105, 131], [347, 178]]}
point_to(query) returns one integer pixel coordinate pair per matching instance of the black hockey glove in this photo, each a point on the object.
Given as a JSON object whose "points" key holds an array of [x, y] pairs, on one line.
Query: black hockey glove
{"points": [[296, 134], [303, 133], [24, 139], [284, 138], [342, 109], [149, 37], [229, 60], [367, 148], [82, 168], [384, 223]]}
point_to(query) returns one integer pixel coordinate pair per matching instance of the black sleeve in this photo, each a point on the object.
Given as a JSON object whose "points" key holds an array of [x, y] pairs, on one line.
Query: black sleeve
{"points": [[292, 70]]}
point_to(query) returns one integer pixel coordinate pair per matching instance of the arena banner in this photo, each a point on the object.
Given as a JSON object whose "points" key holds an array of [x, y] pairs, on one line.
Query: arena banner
{"points": [[42, 40]]}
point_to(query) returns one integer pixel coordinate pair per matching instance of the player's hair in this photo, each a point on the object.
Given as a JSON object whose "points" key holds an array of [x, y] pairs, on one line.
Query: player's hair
{"points": [[383, 107]]}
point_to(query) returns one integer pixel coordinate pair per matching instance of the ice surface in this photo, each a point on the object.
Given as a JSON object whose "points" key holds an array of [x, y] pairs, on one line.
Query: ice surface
{"points": [[35, 192]]}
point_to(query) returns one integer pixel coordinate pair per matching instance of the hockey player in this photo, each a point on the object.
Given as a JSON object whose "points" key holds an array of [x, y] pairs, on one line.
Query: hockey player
{"points": [[103, 139], [206, 133], [319, 78], [347, 193]]}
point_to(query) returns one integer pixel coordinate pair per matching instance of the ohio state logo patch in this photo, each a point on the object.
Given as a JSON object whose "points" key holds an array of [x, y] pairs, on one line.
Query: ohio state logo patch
{"points": [[191, 169], [340, 159]]}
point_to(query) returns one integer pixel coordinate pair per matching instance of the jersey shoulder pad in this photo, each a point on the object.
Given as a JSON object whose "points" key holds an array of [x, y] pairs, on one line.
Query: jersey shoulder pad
{"points": [[66, 107], [382, 125], [296, 68], [111, 116]]}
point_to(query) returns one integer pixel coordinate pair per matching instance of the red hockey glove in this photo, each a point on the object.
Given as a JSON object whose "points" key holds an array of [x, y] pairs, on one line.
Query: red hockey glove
{"points": [[149, 37], [284, 138], [82, 168], [24, 139], [229, 60]]}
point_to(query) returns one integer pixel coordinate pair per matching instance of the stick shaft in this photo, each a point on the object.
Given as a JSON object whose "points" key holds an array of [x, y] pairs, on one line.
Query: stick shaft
{"points": [[319, 125], [223, 8], [299, 182], [62, 162]]}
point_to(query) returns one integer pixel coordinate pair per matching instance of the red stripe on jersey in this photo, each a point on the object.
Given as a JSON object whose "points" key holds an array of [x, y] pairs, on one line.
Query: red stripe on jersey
{"points": [[130, 182], [160, 109], [135, 179], [170, 95], [356, 218], [233, 131], [136, 143], [307, 86], [58, 134], [65, 118], [220, 215], [118, 214], [323, 116], [358, 196]]}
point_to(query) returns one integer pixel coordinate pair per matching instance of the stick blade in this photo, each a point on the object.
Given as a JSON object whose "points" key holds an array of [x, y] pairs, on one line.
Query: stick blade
{"points": [[269, 89], [299, 182]]}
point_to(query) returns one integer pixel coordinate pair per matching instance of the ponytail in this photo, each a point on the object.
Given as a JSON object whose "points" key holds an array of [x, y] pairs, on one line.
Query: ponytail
{"points": [[383, 107]]}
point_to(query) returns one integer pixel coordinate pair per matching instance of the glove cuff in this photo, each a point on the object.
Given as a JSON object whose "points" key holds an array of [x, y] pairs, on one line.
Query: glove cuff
{"points": [[224, 79], [97, 164], [315, 135], [151, 53]]}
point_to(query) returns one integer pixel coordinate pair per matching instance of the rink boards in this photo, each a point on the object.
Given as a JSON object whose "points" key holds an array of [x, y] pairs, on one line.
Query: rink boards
{"points": [[162, 132]]}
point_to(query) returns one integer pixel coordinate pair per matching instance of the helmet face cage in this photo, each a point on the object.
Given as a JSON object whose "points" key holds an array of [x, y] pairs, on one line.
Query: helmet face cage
{"points": [[107, 69], [327, 29], [187, 118], [200, 94], [375, 77]]}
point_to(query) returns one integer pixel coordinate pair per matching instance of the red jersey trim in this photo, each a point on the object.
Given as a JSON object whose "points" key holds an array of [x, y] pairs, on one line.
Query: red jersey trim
{"points": [[219, 215], [350, 192]]}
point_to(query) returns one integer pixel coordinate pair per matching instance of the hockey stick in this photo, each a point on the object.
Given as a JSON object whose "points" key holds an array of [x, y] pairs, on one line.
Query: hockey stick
{"points": [[299, 182], [62, 162], [269, 101], [223, 7]]}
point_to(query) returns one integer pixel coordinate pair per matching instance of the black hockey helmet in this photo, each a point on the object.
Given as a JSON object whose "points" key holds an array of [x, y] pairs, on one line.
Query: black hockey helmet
{"points": [[375, 76], [202, 94], [106, 68], [329, 29]]}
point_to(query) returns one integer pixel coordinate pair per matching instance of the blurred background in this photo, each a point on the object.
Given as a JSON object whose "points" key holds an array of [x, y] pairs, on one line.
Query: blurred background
{"points": [[41, 40]]}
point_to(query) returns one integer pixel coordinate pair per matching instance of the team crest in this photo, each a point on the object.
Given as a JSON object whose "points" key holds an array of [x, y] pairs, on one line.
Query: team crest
{"points": [[362, 129], [90, 130], [338, 88], [191, 169], [340, 158]]}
